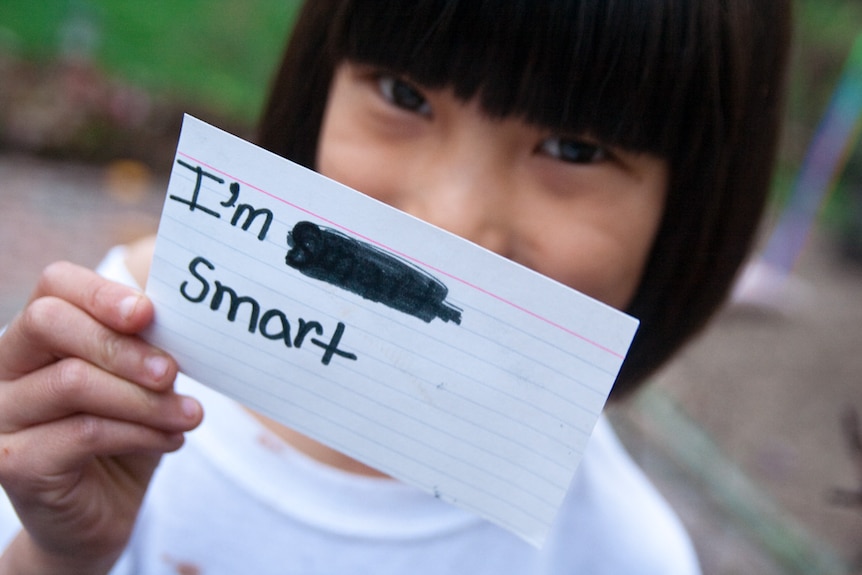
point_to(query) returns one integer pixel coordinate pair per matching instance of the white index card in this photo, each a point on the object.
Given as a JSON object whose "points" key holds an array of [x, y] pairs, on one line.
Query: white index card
{"points": [[401, 345]]}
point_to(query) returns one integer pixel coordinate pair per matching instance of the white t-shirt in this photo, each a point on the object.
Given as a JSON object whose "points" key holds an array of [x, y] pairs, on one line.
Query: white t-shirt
{"points": [[236, 499]]}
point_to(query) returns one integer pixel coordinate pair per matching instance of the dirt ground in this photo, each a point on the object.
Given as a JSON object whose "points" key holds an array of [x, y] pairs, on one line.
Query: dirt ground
{"points": [[747, 433]]}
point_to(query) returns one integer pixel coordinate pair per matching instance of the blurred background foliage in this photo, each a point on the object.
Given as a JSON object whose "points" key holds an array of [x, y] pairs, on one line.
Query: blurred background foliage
{"points": [[825, 33], [96, 79], [215, 52]]}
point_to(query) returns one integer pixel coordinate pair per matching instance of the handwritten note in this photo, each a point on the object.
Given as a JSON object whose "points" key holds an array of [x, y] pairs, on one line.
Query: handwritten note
{"points": [[395, 342]]}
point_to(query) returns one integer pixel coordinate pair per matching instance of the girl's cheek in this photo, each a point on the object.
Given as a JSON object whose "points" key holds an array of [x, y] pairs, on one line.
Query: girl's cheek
{"points": [[592, 261], [371, 167], [367, 177]]}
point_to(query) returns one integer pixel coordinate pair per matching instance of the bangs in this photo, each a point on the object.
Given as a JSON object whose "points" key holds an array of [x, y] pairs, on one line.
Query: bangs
{"points": [[622, 72]]}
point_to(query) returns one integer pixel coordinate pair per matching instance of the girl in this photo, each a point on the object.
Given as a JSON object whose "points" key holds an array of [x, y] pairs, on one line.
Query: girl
{"points": [[623, 148]]}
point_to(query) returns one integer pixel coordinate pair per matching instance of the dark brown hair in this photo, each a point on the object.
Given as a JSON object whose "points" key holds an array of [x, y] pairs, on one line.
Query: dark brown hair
{"points": [[697, 82]]}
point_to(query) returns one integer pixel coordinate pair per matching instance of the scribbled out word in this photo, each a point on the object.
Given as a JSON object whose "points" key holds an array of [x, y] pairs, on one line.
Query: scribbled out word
{"points": [[358, 267]]}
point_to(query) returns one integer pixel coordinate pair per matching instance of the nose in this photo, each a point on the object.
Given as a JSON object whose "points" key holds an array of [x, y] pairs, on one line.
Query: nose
{"points": [[463, 192]]}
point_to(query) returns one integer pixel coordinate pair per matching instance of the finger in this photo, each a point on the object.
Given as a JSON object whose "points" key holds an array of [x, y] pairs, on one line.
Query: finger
{"points": [[51, 328], [118, 306], [74, 386], [36, 456]]}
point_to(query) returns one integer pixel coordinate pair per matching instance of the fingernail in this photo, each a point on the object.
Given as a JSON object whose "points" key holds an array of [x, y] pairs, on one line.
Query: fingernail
{"points": [[128, 305], [189, 407], [157, 366]]}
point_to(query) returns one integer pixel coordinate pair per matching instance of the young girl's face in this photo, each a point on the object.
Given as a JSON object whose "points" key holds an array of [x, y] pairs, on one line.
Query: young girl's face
{"points": [[560, 204]]}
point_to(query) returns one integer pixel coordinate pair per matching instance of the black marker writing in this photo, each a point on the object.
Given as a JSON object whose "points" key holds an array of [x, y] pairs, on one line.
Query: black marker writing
{"points": [[358, 267], [246, 211], [243, 209], [272, 324], [193, 202]]}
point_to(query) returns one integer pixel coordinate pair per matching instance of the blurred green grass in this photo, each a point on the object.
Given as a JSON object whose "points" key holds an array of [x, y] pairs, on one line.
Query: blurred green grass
{"points": [[218, 54]]}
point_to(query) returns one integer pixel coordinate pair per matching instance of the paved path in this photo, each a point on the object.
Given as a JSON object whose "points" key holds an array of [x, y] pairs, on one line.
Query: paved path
{"points": [[742, 433], [770, 388], [52, 211]]}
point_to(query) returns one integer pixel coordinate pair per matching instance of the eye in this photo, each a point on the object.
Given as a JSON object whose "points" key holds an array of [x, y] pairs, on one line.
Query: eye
{"points": [[573, 150], [404, 95]]}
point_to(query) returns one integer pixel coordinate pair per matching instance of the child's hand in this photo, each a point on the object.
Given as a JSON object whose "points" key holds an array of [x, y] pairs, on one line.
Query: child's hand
{"points": [[86, 410]]}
